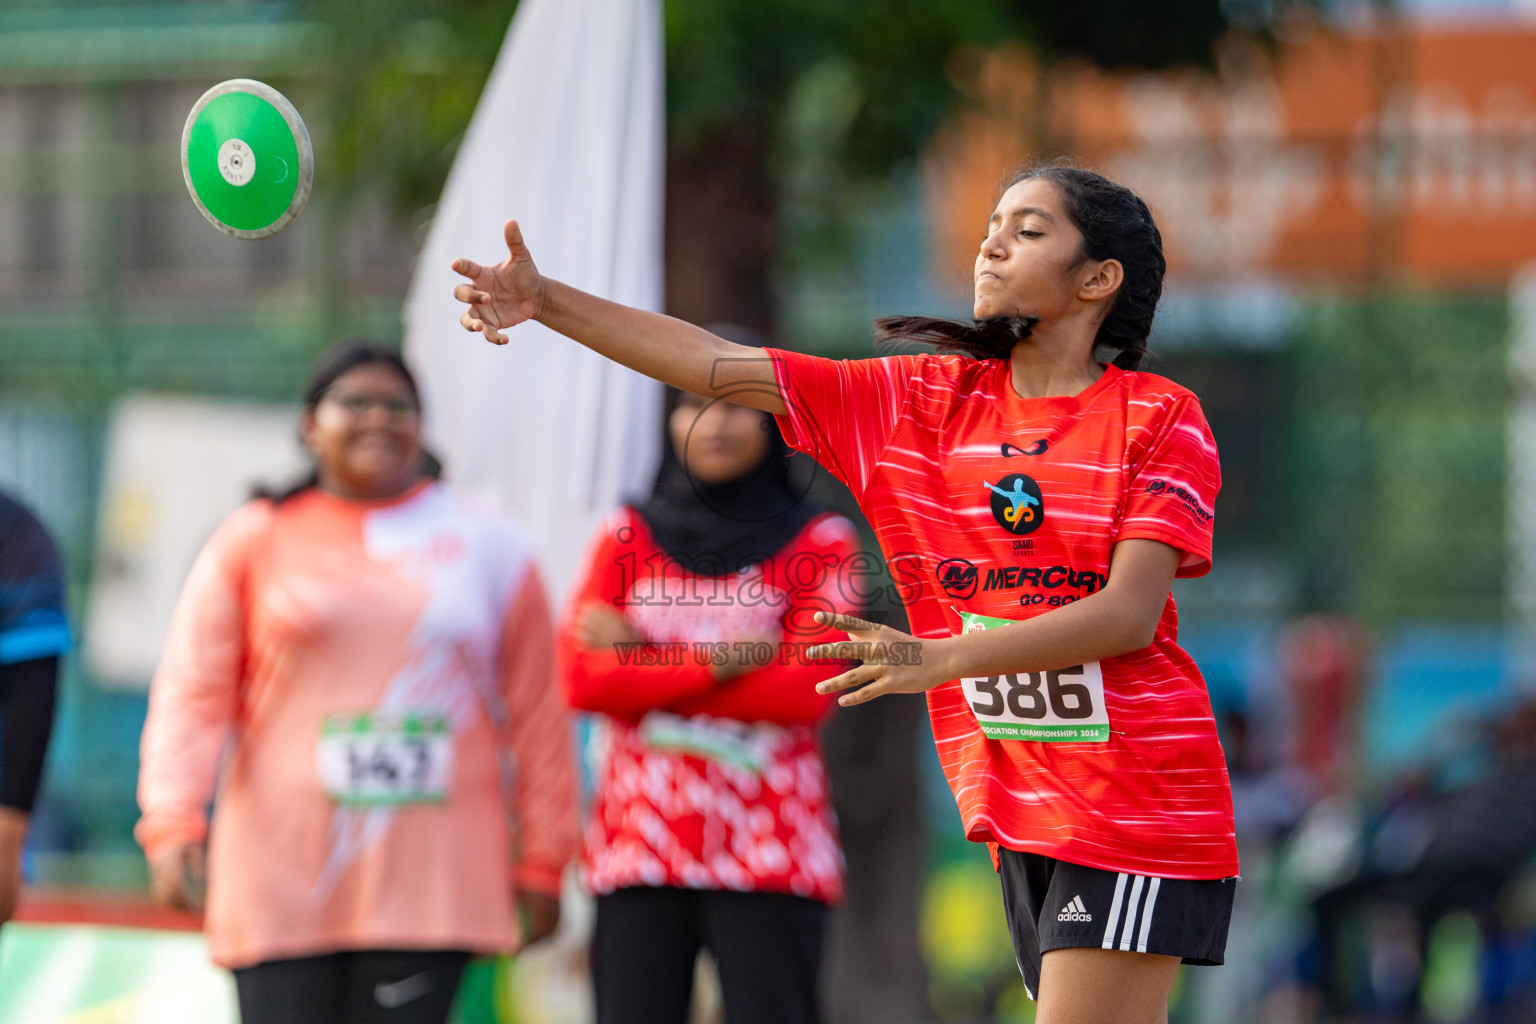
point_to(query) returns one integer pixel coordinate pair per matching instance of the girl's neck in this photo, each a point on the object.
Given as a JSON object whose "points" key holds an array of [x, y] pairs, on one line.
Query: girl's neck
{"points": [[382, 490], [1047, 365]]}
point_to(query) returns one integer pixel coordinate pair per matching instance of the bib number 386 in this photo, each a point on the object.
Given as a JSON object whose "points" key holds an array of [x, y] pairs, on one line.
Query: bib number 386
{"points": [[1061, 706]]}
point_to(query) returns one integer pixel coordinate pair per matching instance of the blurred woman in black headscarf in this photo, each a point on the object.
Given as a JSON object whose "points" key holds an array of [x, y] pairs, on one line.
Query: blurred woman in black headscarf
{"points": [[711, 824]]}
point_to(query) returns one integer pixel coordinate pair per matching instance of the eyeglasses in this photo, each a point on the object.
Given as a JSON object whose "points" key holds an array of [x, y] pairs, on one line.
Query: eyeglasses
{"points": [[396, 407]]}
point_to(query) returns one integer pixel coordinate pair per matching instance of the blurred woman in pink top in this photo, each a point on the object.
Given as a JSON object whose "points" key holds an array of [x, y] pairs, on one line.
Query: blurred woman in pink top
{"points": [[375, 649]]}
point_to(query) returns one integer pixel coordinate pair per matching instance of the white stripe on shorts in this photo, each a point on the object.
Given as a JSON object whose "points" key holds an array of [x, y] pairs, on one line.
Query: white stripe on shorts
{"points": [[1130, 913], [1114, 912], [1146, 914]]}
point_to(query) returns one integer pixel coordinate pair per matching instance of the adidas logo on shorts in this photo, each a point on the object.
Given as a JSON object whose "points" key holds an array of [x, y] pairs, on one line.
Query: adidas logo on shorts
{"points": [[1074, 911]]}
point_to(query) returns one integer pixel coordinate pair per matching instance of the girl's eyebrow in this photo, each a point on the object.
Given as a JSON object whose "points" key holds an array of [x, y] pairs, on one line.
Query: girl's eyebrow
{"points": [[1034, 211], [1022, 212]]}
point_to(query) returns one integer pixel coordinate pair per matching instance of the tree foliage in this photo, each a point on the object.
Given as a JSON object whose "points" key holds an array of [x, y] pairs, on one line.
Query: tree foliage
{"points": [[401, 83], [1399, 444], [406, 74], [730, 60]]}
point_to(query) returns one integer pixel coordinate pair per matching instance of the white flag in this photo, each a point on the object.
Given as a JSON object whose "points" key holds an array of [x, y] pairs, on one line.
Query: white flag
{"points": [[568, 139]]}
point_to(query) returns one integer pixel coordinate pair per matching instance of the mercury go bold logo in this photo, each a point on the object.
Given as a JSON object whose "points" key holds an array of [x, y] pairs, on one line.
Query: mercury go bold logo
{"points": [[957, 576], [1017, 504], [1188, 500]]}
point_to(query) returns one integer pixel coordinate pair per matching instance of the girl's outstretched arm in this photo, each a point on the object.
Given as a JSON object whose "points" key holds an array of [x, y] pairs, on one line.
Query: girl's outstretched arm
{"points": [[670, 350]]}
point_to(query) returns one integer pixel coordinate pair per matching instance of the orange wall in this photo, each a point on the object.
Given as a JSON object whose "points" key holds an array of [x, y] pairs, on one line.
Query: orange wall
{"points": [[1406, 154]]}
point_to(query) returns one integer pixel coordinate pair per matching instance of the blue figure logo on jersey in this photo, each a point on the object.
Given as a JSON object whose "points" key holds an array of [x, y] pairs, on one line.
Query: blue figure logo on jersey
{"points": [[1017, 504]]}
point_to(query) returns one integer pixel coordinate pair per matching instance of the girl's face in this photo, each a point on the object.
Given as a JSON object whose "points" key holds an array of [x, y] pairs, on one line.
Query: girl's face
{"points": [[365, 433], [718, 442], [1031, 260]]}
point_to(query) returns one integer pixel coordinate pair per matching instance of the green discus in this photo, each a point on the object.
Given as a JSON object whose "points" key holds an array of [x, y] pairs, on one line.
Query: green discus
{"points": [[247, 159]]}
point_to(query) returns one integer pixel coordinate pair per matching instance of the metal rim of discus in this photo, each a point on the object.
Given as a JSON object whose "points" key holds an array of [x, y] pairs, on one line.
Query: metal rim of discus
{"points": [[306, 175]]}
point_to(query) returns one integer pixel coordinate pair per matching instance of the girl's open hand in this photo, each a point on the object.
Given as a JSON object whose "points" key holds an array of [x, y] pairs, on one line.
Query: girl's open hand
{"points": [[893, 661], [539, 915], [178, 877], [501, 296], [598, 627]]}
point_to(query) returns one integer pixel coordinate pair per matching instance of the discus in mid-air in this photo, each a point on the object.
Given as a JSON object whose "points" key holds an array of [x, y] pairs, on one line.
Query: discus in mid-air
{"points": [[247, 159]]}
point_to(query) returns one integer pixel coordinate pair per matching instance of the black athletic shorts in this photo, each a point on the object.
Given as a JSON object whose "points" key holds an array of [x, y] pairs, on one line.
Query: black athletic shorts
{"points": [[1051, 904]]}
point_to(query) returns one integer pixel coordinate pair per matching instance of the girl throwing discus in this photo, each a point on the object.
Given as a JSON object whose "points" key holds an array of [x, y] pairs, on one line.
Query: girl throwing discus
{"points": [[1036, 504]]}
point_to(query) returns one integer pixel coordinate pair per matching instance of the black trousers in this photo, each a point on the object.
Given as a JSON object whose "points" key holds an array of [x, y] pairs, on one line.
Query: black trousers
{"points": [[370, 986], [767, 947]]}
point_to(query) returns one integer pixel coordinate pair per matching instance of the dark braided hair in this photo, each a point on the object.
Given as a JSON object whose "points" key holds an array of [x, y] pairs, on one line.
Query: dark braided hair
{"points": [[1115, 224]]}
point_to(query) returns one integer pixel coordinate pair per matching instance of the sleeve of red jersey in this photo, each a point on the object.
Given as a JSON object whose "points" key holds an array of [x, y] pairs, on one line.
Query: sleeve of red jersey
{"points": [[784, 692], [1171, 495], [842, 412], [599, 680]]}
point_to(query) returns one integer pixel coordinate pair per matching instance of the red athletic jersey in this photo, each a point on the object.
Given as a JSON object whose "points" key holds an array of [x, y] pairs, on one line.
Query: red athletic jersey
{"points": [[702, 784], [993, 507]]}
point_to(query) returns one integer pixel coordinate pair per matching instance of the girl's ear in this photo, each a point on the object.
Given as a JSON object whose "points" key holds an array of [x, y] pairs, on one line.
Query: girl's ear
{"points": [[1103, 281], [307, 427]]}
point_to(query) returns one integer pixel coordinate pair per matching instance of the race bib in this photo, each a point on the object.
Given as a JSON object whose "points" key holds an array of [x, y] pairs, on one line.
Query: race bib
{"points": [[1061, 706], [386, 758], [719, 739]]}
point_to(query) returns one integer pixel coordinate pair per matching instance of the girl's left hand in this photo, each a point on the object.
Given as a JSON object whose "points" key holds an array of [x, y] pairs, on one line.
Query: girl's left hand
{"points": [[893, 661], [598, 627], [539, 915]]}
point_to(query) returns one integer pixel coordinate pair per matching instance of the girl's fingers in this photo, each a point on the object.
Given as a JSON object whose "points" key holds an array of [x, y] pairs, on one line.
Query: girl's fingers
{"points": [[847, 623], [842, 681], [468, 268], [864, 695], [514, 236], [842, 650], [869, 687], [470, 295], [470, 323]]}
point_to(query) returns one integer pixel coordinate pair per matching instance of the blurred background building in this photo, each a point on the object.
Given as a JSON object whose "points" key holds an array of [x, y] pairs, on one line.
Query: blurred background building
{"points": [[1348, 194]]}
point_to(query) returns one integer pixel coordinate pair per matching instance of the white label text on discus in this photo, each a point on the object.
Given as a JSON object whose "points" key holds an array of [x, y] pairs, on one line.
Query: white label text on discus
{"points": [[1060, 706], [384, 758]]}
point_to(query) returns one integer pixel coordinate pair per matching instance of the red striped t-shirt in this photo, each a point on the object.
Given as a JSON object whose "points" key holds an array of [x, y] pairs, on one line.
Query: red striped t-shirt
{"points": [[1002, 508]]}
